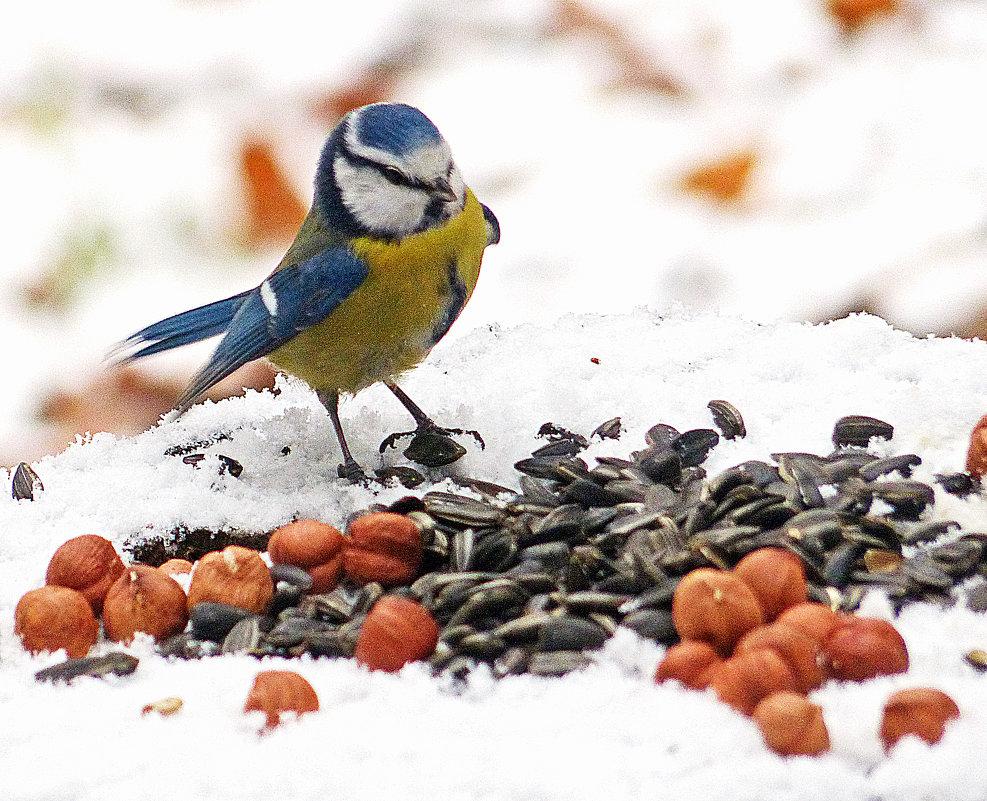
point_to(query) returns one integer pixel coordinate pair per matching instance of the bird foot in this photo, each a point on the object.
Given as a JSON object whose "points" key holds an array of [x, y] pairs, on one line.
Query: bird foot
{"points": [[431, 445], [352, 472]]}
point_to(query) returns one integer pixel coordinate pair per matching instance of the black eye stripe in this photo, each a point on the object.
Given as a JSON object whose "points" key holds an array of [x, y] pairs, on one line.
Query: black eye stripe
{"points": [[391, 174]]}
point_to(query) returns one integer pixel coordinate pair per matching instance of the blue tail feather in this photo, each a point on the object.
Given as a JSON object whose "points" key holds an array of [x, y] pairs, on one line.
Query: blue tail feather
{"points": [[190, 326]]}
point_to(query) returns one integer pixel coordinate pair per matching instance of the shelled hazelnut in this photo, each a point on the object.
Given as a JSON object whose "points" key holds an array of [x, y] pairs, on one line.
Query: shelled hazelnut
{"points": [[922, 711], [87, 563], [397, 631], [55, 617], [275, 692], [742, 681], [714, 606], [314, 546], [176, 567], [776, 577], [792, 725], [861, 648], [800, 652], [383, 547], [689, 662], [235, 575], [144, 599]]}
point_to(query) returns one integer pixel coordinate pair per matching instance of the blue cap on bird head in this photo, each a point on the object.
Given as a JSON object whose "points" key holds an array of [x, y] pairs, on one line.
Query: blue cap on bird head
{"points": [[395, 128]]}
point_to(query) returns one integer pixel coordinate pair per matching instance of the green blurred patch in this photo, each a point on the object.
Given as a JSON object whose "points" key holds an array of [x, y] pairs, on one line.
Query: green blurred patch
{"points": [[89, 249]]}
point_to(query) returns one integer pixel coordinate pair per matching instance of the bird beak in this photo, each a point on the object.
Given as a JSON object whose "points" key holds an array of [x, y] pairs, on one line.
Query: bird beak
{"points": [[443, 190]]}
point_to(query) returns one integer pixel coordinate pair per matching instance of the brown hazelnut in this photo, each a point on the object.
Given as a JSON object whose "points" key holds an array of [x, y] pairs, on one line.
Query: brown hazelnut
{"points": [[325, 577], [56, 617], [862, 648], [397, 631], [815, 620], [802, 654], [278, 691], [742, 681], [922, 711], [792, 725], [314, 546], [235, 575], [87, 563], [383, 547], [176, 567], [689, 663], [144, 599], [714, 606], [976, 455], [777, 578]]}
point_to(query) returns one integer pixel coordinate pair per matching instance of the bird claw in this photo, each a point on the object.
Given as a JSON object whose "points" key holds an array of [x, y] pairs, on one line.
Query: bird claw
{"points": [[352, 472], [431, 445]]}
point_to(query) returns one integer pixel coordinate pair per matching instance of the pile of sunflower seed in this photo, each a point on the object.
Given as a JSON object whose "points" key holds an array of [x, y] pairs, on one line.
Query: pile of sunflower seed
{"points": [[531, 581]]}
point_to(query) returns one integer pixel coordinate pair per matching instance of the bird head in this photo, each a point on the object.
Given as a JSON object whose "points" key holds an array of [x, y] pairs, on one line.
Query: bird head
{"points": [[386, 171]]}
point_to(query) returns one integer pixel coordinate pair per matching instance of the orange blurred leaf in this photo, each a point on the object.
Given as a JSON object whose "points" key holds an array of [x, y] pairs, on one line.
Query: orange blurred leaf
{"points": [[376, 83], [724, 180], [636, 68], [854, 14], [275, 211]]}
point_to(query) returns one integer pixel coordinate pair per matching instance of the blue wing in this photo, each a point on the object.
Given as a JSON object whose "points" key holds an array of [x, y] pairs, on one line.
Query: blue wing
{"points": [[258, 321]]}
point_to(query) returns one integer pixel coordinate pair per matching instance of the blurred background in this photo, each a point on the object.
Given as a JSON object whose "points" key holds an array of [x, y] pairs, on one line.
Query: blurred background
{"points": [[774, 159]]}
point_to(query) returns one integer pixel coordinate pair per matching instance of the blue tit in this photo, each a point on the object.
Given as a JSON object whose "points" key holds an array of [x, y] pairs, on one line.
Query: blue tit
{"points": [[381, 268]]}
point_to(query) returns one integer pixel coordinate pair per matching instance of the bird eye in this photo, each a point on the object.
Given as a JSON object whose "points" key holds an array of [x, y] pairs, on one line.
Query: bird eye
{"points": [[393, 174]]}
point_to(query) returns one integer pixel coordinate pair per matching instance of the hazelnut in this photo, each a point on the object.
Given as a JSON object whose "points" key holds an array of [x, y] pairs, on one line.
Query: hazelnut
{"points": [[56, 617], [792, 725], [922, 711], [742, 681], [176, 567], [314, 546], [689, 663], [976, 455], [862, 648], [714, 606], [325, 577], [777, 578], [383, 547], [236, 576], [144, 599], [802, 654], [88, 563], [815, 620], [277, 691], [396, 631]]}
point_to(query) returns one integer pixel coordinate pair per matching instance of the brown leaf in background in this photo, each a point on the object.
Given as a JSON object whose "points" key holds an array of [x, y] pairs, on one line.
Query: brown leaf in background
{"points": [[854, 14], [725, 180], [636, 69], [275, 211], [376, 83], [126, 400]]}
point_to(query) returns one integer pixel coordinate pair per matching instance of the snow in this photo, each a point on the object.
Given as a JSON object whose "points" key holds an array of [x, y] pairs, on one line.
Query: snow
{"points": [[613, 292], [605, 732]]}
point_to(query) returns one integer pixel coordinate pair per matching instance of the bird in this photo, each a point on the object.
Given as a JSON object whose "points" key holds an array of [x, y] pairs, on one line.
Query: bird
{"points": [[384, 262]]}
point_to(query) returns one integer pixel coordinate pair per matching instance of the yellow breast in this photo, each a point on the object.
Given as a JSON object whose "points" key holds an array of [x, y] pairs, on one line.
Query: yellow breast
{"points": [[386, 325]]}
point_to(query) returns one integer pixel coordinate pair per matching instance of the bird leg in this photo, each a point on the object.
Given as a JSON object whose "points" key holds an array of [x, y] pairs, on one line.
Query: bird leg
{"points": [[430, 444], [349, 469]]}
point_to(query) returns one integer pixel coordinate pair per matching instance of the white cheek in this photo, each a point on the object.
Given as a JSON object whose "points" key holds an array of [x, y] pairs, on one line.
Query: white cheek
{"points": [[458, 185], [376, 203]]}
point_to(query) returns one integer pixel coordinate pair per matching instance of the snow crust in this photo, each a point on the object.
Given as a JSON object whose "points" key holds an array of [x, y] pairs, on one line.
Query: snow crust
{"points": [[605, 732]]}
